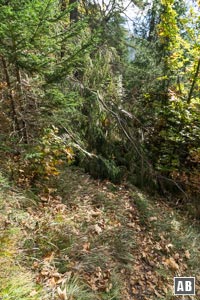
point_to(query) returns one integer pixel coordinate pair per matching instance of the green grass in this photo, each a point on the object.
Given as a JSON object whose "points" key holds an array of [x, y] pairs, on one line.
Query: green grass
{"points": [[74, 288], [144, 208], [95, 258], [123, 245], [16, 281], [18, 285], [115, 292]]}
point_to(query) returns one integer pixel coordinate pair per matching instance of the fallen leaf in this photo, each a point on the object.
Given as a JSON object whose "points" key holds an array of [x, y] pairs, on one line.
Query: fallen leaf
{"points": [[151, 219], [187, 254], [169, 247], [86, 247], [157, 294], [56, 274], [109, 287], [96, 213], [62, 293], [44, 272], [52, 282], [97, 229], [170, 262], [35, 265], [131, 225], [176, 256], [33, 293], [49, 257]]}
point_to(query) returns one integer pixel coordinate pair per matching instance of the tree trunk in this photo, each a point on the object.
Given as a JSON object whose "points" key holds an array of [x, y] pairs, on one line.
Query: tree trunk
{"points": [[16, 125], [193, 82], [20, 95], [74, 11]]}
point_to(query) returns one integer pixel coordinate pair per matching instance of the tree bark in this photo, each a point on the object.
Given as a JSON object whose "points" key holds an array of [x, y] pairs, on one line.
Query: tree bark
{"points": [[74, 11], [10, 96], [193, 82], [21, 105]]}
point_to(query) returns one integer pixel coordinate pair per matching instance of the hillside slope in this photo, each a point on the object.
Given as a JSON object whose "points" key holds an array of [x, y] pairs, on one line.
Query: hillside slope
{"points": [[86, 239]]}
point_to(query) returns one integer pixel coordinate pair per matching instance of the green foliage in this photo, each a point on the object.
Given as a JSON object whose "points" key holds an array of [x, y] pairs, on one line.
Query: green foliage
{"points": [[82, 89], [103, 168], [135, 114], [42, 161], [164, 81]]}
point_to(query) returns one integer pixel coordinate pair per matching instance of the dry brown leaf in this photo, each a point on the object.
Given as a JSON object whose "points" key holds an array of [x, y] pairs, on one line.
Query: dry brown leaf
{"points": [[176, 256], [44, 272], [56, 274], [62, 293], [158, 246], [170, 262], [131, 225], [97, 229], [52, 282], [198, 277], [86, 247], [157, 294], [49, 257], [98, 272], [165, 290], [33, 293], [169, 247], [187, 254], [151, 219], [44, 198], [134, 291], [144, 254], [109, 287], [35, 265], [141, 283], [96, 213]]}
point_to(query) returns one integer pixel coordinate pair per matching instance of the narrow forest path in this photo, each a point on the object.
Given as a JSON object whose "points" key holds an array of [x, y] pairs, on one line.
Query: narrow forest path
{"points": [[86, 239]]}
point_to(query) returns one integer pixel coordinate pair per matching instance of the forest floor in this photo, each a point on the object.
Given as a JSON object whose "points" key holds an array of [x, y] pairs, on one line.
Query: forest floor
{"points": [[88, 239]]}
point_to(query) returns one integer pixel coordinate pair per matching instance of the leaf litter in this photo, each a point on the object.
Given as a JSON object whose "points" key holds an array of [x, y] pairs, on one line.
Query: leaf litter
{"points": [[83, 229]]}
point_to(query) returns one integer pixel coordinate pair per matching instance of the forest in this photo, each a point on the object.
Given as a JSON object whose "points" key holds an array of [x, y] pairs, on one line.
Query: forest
{"points": [[99, 148]]}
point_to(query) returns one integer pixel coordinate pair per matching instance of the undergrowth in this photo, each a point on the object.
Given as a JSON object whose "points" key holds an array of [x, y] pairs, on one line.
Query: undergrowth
{"points": [[86, 239]]}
